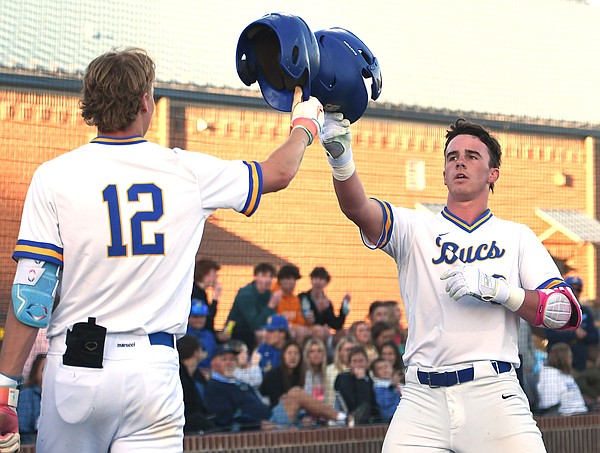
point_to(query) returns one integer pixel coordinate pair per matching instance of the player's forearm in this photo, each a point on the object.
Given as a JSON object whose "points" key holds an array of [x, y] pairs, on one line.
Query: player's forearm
{"points": [[355, 205], [17, 343], [282, 165], [528, 311]]}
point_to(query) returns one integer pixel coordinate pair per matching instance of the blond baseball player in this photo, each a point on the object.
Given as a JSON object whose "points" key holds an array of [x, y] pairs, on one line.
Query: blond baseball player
{"points": [[112, 228], [465, 277]]}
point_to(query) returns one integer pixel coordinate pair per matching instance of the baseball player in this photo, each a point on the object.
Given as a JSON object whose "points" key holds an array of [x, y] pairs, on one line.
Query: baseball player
{"points": [[465, 278], [113, 228]]}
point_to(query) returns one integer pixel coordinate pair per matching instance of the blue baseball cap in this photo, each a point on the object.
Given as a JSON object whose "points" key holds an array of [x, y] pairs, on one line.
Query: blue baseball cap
{"points": [[199, 308], [574, 280], [277, 322], [225, 348]]}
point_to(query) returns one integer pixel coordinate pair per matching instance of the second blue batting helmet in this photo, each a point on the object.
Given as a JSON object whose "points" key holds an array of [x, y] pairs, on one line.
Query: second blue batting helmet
{"points": [[345, 63], [280, 52]]}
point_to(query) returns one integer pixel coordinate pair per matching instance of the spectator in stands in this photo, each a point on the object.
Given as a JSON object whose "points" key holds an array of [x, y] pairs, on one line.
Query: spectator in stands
{"points": [[381, 332], [199, 312], [318, 309], [355, 386], [395, 320], [361, 332], [253, 305], [206, 276], [315, 360], [580, 339], [30, 397], [238, 406], [389, 352], [378, 312], [341, 363], [557, 390], [248, 368], [198, 418], [289, 373], [277, 335], [386, 386], [289, 305]]}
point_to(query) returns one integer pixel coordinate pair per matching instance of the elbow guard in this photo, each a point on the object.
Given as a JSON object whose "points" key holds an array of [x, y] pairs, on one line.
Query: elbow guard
{"points": [[34, 290], [558, 309]]}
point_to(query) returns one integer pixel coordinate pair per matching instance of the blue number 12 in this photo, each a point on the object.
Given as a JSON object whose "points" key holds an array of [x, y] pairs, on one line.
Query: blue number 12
{"points": [[117, 247]]}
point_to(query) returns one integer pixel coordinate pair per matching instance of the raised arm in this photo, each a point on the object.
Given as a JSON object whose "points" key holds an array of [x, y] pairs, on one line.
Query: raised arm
{"points": [[282, 165], [366, 213]]}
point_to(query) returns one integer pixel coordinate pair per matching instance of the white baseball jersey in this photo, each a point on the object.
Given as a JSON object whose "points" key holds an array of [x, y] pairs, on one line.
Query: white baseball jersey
{"points": [[125, 217], [443, 331]]}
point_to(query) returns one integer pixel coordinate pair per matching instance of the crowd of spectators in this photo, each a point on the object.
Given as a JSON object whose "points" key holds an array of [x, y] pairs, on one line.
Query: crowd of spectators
{"points": [[288, 360]]}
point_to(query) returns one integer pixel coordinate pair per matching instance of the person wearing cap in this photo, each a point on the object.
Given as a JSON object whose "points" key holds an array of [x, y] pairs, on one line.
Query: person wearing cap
{"points": [[289, 305], [197, 326], [277, 334], [238, 406], [580, 339]]}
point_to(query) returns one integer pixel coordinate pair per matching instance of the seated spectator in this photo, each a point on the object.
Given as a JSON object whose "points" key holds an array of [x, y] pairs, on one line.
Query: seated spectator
{"points": [[317, 308], [198, 418], [197, 327], [389, 352], [341, 363], [557, 390], [289, 373], [289, 305], [361, 332], [238, 406], [206, 276], [248, 368], [386, 387], [381, 332], [252, 306], [315, 359], [355, 386], [277, 335], [378, 312], [395, 320], [30, 397]]}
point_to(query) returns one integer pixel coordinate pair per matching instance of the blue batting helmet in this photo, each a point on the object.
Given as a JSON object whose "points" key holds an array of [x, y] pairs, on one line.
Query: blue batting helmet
{"points": [[281, 52], [345, 63]]}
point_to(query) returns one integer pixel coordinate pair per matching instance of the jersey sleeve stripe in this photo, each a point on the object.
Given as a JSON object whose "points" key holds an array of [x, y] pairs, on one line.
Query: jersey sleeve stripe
{"points": [[38, 251], [255, 188], [552, 283], [388, 222]]}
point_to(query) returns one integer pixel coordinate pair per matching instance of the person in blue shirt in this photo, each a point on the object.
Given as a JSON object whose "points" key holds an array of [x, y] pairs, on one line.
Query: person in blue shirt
{"points": [[197, 327], [30, 397], [386, 387], [277, 335]]}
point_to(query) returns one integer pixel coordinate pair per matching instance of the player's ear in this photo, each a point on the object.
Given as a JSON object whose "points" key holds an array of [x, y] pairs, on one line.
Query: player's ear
{"points": [[144, 103], [494, 175]]}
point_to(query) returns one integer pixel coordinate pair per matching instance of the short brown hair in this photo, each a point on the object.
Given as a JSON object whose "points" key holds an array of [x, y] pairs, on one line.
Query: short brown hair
{"points": [[113, 86], [203, 267]]}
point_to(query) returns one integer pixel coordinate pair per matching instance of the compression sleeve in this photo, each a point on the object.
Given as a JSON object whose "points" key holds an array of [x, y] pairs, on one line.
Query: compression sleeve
{"points": [[33, 291]]}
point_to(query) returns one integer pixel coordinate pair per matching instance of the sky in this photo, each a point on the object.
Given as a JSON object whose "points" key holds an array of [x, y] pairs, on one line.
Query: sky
{"points": [[534, 58]]}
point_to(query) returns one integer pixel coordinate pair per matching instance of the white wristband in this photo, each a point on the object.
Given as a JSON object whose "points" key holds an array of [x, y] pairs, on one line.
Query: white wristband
{"points": [[516, 297], [345, 171], [7, 381]]}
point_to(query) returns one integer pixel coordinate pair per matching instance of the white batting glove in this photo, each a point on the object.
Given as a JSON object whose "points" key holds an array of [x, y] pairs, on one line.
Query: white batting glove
{"points": [[467, 279], [308, 115], [336, 138]]}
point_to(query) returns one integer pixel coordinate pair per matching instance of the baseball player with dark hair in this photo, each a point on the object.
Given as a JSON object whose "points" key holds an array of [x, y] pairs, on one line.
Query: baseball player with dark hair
{"points": [[113, 228], [465, 278]]}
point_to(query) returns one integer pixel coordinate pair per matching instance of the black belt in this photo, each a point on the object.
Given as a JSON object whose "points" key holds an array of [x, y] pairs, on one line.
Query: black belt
{"points": [[450, 378], [162, 338]]}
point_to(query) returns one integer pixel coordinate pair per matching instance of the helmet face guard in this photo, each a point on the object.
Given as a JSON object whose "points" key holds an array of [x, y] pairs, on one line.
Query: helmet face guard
{"points": [[280, 52], [345, 64]]}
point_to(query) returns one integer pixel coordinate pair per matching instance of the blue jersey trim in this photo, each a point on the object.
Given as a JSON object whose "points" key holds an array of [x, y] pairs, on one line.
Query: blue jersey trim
{"points": [[388, 223], [107, 140], [468, 227], [255, 188], [41, 251]]}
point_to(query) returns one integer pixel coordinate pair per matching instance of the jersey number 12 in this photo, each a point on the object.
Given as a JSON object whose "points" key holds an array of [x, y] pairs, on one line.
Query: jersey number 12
{"points": [[117, 248]]}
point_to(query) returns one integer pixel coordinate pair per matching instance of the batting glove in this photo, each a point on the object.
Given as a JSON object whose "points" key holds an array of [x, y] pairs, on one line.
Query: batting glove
{"points": [[308, 115], [10, 440], [336, 138], [469, 280]]}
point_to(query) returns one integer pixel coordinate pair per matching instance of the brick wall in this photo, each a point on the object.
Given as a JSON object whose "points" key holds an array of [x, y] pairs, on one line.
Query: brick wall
{"points": [[399, 161]]}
